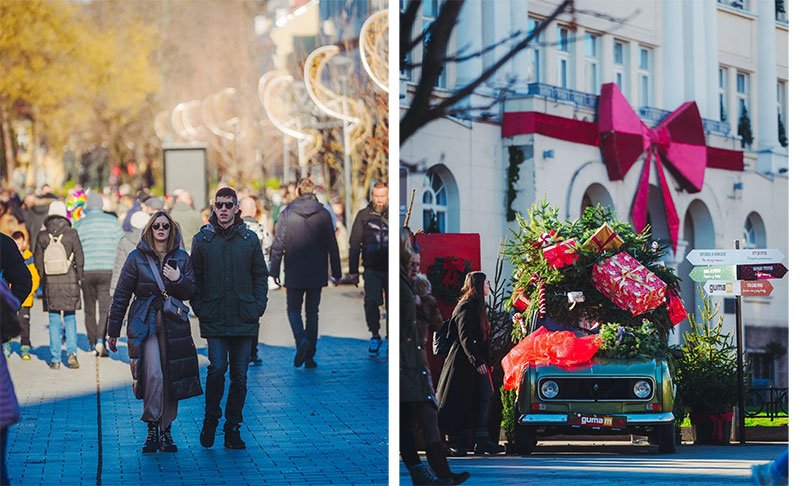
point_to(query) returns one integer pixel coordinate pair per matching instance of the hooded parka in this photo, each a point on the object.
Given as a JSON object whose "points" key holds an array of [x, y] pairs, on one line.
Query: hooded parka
{"points": [[60, 292]]}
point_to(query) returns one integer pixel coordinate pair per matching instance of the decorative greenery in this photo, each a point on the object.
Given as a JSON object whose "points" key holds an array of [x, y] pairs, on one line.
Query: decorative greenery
{"points": [[447, 277], [629, 343], [509, 421], [779, 7], [782, 133], [723, 116], [515, 159], [706, 373], [745, 129], [528, 261]]}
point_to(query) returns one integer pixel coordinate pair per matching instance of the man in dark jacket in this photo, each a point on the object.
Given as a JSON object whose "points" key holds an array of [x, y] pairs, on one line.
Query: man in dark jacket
{"points": [[370, 239], [304, 238], [231, 277]]}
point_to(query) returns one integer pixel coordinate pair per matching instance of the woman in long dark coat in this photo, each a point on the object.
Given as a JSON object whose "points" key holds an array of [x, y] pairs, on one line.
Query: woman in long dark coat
{"points": [[162, 353], [465, 385]]}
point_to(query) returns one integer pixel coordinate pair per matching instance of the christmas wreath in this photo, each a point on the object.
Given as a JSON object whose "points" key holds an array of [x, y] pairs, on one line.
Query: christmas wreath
{"points": [[447, 276]]}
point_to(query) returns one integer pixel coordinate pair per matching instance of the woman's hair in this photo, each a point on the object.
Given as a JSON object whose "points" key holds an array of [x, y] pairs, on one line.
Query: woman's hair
{"points": [[406, 250], [147, 233], [473, 290], [422, 286]]}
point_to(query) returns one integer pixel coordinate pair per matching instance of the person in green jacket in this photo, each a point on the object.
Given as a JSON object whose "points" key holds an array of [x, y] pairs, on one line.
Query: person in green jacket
{"points": [[231, 277]]}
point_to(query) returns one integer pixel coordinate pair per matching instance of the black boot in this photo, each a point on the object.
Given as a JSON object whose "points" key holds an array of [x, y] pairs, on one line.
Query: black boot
{"points": [[420, 474], [486, 446], [207, 434], [151, 443], [233, 440], [167, 444], [437, 459]]}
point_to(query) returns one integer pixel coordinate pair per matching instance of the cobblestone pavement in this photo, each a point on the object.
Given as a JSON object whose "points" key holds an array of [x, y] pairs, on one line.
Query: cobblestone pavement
{"points": [[322, 426]]}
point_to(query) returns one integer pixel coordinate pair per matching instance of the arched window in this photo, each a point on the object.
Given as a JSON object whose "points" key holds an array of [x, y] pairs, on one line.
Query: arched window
{"points": [[434, 203], [596, 194], [754, 234]]}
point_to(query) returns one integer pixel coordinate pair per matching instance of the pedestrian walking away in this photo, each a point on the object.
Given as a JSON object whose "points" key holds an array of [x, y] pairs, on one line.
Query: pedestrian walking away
{"points": [[465, 386], [163, 357], [59, 260], [231, 277], [369, 238], [99, 233], [24, 313], [248, 210], [188, 218], [305, 241]]}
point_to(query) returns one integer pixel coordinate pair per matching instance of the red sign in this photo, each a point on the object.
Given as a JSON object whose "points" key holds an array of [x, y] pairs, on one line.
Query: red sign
{"points": [[760, 271], [756, 288]]}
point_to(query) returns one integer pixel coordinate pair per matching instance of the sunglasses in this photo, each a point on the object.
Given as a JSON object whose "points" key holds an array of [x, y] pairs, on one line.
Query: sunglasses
{"points": [[227, 205], [158, 226]]}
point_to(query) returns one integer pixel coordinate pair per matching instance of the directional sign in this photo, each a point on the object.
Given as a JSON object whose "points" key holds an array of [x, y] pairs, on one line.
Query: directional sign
{"points": [[756, 288], [733, 257], [760, 272], [702, 274], [721, 287]]}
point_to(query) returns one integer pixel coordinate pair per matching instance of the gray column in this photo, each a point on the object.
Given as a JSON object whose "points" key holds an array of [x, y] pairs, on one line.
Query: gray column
{"points": [[767, 77], [674, 93], [520, 62], [712, 59], [695, 50], [468, 40]]}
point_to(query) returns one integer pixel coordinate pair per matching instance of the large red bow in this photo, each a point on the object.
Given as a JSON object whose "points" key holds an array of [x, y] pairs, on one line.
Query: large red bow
{"points": [[679, 138], [453, 267]]}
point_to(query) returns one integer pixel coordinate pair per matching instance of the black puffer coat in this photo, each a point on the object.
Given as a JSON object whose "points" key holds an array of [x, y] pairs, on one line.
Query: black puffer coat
{"points": [[60, 292], [304, 239], [370, 239], [137, 279], [458, 383]]}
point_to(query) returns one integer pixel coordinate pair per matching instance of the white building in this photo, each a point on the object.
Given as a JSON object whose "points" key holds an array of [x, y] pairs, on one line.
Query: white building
{"points": [[726, 56]]}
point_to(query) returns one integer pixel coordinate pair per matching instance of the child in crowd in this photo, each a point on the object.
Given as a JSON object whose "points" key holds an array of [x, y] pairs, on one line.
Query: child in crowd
{"points": [[25, 310]]}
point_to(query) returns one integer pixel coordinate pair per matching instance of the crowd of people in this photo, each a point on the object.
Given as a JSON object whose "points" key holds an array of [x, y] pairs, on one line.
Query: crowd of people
{"points": [[135, 262]]}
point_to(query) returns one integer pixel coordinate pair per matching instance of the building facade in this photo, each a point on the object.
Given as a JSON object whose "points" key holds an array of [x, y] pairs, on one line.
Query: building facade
{"points": [[731, 58]]}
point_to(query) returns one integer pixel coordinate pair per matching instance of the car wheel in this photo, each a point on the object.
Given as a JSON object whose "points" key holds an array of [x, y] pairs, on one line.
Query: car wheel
{"points": [[666, 438]]}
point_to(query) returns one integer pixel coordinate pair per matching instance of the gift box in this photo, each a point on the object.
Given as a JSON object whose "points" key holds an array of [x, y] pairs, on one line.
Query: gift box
{"points": [[628, 284], [519, 300], [675, 308], [604, 239], [562, 254]]}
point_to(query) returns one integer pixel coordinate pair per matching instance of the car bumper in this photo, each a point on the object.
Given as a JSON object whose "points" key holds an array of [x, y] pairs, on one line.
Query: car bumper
{"points": [[556, 419]]}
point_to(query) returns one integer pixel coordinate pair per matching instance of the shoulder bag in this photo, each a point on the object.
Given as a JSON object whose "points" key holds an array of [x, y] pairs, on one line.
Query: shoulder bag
{"points": [[172, 307]]}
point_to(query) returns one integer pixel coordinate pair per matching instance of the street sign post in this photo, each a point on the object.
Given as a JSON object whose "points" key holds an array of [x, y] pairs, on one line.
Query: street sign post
{"points": [[703, 274], [761, 271], [745, 288], [734, 257], [756, 288]]}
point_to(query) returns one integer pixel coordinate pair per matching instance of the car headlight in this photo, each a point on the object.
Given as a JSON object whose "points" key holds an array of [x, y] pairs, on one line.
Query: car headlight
{"points": [[642, 389], [549, 389]]}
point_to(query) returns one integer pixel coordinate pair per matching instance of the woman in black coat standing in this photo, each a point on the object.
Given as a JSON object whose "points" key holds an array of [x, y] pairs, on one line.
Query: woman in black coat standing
{"points": [[162, 354], [465, 385]]}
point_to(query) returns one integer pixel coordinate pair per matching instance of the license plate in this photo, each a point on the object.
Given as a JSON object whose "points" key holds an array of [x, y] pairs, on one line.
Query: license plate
{"points": [[597, 422]]}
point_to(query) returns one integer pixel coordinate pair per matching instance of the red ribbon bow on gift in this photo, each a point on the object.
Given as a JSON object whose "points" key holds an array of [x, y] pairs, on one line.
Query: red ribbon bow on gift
{"points": [[679, 138], [545, 239], [453, 267]]}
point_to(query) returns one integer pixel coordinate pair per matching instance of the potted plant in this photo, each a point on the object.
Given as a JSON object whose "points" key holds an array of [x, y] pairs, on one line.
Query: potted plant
{"points": [[706, 376]]}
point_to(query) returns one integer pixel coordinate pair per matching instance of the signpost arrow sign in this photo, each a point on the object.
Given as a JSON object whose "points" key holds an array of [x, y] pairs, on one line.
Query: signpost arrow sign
{"points": [[734, 257], [759, 272], [720, 287], [756, 288], [702, 274]]}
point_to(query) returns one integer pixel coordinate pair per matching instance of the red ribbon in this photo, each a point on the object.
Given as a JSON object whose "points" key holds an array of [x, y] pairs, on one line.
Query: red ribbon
{"points": [[717, 421], [453, 267]]}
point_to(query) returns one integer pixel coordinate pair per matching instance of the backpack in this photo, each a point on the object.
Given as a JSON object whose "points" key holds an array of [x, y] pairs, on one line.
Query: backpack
{"points": [[442, 339], [55, 257]]}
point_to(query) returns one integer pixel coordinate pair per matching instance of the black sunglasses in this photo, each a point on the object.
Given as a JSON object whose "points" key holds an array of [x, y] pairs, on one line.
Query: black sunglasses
{"points": [[227, 205], [158, 226]]}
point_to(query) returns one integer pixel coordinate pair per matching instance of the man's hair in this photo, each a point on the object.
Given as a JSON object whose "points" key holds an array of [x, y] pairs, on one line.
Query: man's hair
{"points": [[380, 185], [226, 192], [305, 186], [18, 235]]}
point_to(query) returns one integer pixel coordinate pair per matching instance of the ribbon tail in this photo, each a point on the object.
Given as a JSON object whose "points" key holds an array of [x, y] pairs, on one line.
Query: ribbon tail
{"points": [[673, 221], [639, 209]]}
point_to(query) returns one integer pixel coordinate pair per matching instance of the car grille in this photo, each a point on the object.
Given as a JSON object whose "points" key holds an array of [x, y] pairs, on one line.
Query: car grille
{"points": [[595, 389]]}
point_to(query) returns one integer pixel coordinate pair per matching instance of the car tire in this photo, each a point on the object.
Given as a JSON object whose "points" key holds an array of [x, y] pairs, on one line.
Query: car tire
{"points": [[666, 438]]}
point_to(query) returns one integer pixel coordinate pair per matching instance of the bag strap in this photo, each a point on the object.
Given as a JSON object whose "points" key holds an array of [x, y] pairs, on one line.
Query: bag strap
{"points": [[154, 268]]}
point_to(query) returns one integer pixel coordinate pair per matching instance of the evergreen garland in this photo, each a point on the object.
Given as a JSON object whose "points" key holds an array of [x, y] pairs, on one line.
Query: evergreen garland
{"points": [[745, 129], [515, 159], [782, 132], [437, 274]]}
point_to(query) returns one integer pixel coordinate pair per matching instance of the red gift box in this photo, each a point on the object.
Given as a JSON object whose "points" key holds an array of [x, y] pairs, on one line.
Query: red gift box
{"points": [[677, 312], [628, 284], [562, 254], [520, 301]]}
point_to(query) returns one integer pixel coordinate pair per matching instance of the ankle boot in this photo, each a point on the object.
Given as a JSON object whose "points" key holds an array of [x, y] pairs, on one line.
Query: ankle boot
{"points": [[167, 444], [420, 474], [233, 440], [486, 446], [151, 443], [437, 459], [208, 431]]}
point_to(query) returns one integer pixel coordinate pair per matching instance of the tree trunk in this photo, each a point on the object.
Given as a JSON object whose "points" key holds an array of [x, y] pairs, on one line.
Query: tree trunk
{"points": [[8, 146]]}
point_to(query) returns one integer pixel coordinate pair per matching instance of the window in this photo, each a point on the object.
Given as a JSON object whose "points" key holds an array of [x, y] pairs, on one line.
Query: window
{"points": [[754, 234], [592, 64], [645, 76], [536, 53], [743, 91], [620, 65], [723, 94], [782, 104], [434, 203], [430, 10], [564, 56]]}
